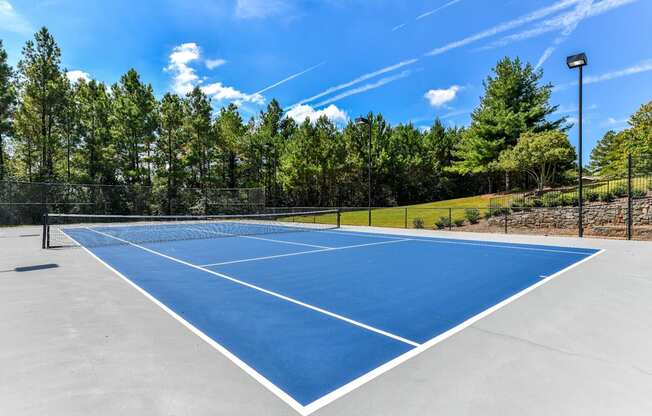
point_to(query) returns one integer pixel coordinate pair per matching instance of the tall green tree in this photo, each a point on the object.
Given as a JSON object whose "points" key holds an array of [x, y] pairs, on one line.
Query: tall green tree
{"points": [[202, 142], [7, 103], [98, 151], [514, 102], [68, 124], [171, 146], [134, 123], [42, 91], [609, 156], [540, 155], [230, 130]]}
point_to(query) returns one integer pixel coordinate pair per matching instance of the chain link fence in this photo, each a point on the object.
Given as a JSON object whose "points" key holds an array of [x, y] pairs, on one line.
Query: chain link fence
{"points": [[23, 203]]}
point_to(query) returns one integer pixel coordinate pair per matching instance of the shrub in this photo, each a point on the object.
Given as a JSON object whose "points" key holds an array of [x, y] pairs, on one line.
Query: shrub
{"points": [[620, 191], [606, 197], [473, 215], [459, 222], [442, 222], [639, 193], [418, 222], [591, 196], [550, 200], [569, 200], [537, 203]]}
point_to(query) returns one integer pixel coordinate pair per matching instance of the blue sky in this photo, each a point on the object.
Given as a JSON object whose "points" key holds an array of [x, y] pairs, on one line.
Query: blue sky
{"points": [[410, 60]]}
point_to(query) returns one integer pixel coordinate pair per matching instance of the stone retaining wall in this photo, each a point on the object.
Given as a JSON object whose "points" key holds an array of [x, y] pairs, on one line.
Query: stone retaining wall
{"points": [[595, 215]]}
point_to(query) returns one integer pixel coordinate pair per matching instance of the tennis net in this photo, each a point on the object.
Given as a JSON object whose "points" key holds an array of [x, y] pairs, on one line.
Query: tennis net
{"points": [[69, 230]]}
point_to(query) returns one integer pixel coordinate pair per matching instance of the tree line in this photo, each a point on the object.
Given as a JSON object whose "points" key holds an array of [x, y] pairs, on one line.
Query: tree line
{"points": [[52, 130], [609, 156]]}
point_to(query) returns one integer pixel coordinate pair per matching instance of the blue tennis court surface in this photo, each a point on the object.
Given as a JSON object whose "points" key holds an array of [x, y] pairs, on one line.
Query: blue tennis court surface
{"points": [[311, 312]]}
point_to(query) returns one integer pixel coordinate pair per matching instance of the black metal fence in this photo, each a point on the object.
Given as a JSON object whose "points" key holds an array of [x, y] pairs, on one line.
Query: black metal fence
{"points": [[635, 179], [623, 218], [24, 203]]}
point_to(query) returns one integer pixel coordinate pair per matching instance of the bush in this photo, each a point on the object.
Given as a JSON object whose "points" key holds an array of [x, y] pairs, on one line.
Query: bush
{"points": [[620, 191], [418, 222], [442, 222], [550, 200], [639, 193], [591, 196], [459, 222], [569, 200], [606, 197], [537, 203], [473, 215]]}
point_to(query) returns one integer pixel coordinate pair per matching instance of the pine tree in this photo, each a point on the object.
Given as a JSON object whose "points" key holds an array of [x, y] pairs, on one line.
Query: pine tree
{"points": [[513, 103], [42, 86], [98, 152], [171, 147], [134, 123], [7, 103]]}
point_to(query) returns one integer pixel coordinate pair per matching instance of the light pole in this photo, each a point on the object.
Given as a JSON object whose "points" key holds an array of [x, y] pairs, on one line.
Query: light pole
{"points": [[368, 122], [579, 61]]}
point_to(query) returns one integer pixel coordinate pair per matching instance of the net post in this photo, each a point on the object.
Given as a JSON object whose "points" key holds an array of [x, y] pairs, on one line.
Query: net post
{"points": [[46, 230], [339, 218]]}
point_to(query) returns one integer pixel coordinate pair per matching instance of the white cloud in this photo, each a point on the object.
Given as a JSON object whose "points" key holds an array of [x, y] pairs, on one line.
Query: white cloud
{"points": [[503, 27], [301, 112], [366, 87], [258, 9], [426, 14], [221, 92], [566, 22], [456, 113], [214, 63], [613, 122], [359, 79], [185, 77], [643, 66], [439, 97], [76, 75], [291, 77], [12, 21], [573, 20]]}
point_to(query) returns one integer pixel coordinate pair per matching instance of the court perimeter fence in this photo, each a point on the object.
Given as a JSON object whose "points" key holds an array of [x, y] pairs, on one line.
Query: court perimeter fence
{"points": [[623, 218], [613, 208]]}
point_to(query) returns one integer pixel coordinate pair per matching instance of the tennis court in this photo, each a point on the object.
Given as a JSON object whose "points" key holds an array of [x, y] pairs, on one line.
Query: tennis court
{"points": [[310, 310]]}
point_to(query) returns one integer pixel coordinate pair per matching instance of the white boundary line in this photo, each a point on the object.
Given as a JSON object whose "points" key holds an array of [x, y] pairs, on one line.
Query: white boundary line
{"points": [[271, 239], [210, 341], [304, 252], [347, 388], [268, 292], [439, 240]]}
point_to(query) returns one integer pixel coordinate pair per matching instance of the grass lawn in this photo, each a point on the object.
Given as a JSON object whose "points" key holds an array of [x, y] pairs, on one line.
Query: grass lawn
{"points": [[398, 216]]}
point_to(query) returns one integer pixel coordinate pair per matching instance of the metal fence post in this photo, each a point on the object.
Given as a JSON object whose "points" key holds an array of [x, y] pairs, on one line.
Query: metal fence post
{"points": [[450, 219], [629, 197], [406, 217], [505, 214]]}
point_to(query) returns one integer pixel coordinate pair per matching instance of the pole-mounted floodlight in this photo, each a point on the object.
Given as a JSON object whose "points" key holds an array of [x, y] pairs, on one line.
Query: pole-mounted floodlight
{"points": [[579, 61], [368, 122], [576, 61]]}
